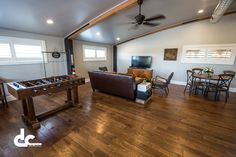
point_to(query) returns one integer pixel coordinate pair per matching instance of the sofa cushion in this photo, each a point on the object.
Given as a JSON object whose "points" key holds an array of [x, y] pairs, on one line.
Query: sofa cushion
{"points": [[113, 83]]}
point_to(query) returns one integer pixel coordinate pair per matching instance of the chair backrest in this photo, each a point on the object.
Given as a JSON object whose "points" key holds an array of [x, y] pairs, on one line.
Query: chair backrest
{"points": [[169, 78], [190, 76], [229, 72], [225, 80], [103, 68], [197, 70]]}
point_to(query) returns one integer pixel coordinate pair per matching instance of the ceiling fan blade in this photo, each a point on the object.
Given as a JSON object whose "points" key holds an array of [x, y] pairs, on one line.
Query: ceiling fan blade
{"points": [[126, 23], [157, 17], [151, 24]]}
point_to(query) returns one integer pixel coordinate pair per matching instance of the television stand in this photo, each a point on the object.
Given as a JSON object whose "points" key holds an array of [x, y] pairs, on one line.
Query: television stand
{"points": [[142, 73], [137, 67]]}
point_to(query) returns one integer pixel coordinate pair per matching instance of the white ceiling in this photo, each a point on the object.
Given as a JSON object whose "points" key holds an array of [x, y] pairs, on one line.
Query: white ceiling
{"points": [[68, 15], [174, 10]]}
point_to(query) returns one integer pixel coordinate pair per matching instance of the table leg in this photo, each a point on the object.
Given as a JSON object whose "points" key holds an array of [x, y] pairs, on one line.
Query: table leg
{"points": [[29, 113], [75, 96], [69, 96], [24, 107], [4, 95]]}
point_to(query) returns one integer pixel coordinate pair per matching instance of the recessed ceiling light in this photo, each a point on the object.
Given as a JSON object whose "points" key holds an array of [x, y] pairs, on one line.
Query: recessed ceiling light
{"points": [[50, 21], [98, 33], [200, 11], [118, 39]]}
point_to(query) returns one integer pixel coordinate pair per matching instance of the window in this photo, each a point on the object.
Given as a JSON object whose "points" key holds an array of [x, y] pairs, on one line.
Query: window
{"points": [[5, 51], [209, 54], [221, 53], [94, 53], [195, 54], [21, 51], [28, 51], [89, 53]]}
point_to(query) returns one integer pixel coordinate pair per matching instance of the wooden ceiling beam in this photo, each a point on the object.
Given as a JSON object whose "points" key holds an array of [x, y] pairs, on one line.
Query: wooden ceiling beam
{"points": [[102, 17]]}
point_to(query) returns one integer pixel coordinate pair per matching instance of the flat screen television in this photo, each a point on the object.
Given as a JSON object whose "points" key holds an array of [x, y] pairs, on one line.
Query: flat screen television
{"points": [[141, 61]]}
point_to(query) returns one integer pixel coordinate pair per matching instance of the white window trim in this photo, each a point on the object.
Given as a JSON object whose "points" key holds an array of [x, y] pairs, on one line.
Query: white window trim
{"points": [[94, 58], [15, 61], [205, 60]]}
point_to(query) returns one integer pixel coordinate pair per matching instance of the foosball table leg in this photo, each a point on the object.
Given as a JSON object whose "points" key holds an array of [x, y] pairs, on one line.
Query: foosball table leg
{"points": [[69, 96], [29, 116], [24, 107], [75, 96]]}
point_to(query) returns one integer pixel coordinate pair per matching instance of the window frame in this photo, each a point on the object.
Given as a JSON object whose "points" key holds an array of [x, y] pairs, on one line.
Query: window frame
{"points": [[8, 58], [207, 49], [22, 41], [94, 58]]}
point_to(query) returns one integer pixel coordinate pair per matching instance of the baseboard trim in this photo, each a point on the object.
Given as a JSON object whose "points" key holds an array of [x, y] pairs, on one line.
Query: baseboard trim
{"points": [[183, 83], [232, 90], [178, 82]]}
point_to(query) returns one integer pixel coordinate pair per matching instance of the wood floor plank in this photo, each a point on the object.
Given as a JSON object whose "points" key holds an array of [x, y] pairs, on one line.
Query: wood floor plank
{"points": [[108, 126]]}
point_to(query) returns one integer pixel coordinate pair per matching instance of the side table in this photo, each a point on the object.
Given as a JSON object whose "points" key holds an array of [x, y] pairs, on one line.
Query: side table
{"points": [[143, 93]]}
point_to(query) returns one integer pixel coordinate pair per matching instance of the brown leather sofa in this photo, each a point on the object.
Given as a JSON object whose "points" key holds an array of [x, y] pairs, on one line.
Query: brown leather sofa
{"points": [[113, 83]]}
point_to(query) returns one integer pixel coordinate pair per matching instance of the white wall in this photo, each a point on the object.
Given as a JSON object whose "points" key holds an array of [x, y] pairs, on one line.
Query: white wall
{"points": [[33, 71], [202, 32], [82, 67]]}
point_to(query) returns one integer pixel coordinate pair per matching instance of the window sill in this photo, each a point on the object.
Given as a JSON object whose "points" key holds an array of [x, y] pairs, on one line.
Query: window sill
{"points": [[95, 60], [20, 63]]}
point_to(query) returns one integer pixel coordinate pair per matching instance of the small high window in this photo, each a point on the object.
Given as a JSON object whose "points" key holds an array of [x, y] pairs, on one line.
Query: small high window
{"points": [[21, 51], [94, 53], [5, 50], [209, 54]]}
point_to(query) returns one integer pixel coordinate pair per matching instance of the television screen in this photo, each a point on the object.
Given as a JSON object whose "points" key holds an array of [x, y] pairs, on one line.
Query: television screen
{"points": [[141, 61]]}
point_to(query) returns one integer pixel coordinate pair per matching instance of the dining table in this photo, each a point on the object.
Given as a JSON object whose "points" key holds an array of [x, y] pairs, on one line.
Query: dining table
{"points": [[209, 77], [207, 80]]}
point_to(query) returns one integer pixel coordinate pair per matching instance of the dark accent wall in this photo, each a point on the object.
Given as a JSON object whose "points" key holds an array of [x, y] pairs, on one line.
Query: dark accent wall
{"points": [[69, 50], [115, 58]]}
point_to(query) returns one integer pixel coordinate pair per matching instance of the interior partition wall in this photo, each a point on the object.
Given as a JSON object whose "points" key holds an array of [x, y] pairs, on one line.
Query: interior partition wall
{"points": [[69, 55], [115, 58]]}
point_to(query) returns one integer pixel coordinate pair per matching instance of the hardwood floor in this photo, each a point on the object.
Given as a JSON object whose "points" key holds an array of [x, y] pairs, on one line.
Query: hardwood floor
{"points": [[175, 126]]}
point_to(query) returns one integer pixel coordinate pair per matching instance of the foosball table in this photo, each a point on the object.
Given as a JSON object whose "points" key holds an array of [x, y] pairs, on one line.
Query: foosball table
{"points": [[26, 90]]}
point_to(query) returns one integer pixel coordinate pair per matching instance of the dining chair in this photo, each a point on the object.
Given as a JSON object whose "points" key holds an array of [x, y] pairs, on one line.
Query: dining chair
{"points": [[103, 68], [229, 72], [189, 84], [197, 70], [222, 85], [162, 83], [198, 83]]}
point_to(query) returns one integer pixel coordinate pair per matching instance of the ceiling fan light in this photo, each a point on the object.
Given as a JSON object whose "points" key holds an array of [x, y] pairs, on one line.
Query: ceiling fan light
{"points": [[50, 21], [98, 33], [200, 11]]}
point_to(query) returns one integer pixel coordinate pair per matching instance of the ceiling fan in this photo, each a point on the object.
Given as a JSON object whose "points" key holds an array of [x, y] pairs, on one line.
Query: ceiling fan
{"points": [[142, 20]]}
